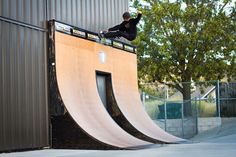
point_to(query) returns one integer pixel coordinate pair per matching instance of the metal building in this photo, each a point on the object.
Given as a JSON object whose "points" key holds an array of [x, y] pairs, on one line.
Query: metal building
{"points": [[24, 115]]}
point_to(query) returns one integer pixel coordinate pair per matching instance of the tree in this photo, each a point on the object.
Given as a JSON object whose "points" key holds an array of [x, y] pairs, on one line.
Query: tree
{"points": [[184, 41]]}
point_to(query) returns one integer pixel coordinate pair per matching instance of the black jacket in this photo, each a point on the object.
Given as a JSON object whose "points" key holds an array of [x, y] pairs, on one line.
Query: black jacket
{"points": [[128, 26]]}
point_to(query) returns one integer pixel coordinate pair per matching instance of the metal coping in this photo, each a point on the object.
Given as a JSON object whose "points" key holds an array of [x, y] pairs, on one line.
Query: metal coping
{"points": [[82, 33]]}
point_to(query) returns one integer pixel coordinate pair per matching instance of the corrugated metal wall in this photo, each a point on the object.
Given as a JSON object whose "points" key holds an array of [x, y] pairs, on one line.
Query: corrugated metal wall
{"points": [[28, 11], [23, 109], [93, 15], [23, 80], [23, 61]]}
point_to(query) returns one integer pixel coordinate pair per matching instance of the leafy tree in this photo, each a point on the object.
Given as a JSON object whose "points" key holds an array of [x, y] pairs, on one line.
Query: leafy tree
{"points": [[185, 41]]}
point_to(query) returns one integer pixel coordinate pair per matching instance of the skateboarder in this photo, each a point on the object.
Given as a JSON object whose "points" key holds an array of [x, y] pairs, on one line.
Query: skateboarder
{"points": [[126, 29]]}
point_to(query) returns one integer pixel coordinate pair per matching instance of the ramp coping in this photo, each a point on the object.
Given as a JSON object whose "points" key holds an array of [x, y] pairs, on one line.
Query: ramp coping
{"points": [[89, 35]]}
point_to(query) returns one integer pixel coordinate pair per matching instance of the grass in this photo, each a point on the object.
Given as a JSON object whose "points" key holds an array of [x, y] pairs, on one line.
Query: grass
{"points": [[205, 109], [152, 109]]}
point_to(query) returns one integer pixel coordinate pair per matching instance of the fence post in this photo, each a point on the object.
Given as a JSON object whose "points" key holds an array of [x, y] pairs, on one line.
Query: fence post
{"points": [[182, 117], [218, 97], [165, 108], [143, 99], [165, 113], [196, 105]]}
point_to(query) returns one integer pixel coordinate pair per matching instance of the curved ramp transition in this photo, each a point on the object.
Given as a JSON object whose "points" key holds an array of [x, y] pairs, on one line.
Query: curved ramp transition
{"points": [[123, 69], [76, 62]]}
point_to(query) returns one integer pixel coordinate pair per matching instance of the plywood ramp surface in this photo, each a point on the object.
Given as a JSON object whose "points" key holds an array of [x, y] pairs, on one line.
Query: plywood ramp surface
{"points": [[76, 62], [123, 68]]}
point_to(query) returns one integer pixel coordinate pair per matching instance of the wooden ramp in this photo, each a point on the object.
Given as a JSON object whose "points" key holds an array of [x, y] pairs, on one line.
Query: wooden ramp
{"points": [[76, 62], [123, 68]]}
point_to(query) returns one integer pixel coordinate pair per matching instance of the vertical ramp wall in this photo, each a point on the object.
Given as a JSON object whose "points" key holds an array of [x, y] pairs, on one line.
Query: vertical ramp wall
{"points": [[123, 68], [77, 61], [76, 77]]}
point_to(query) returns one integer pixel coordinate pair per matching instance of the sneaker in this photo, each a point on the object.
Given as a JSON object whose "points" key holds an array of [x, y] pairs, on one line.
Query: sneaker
{"points": [[101, 34], [105, 31]]}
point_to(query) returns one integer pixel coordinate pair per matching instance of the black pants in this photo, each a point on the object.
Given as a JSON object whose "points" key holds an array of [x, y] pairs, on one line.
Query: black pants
{"points": [[117, 34]]}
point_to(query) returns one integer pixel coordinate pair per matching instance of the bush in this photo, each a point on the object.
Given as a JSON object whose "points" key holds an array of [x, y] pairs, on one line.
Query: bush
{"points": [[152, 109], [206, 109]]}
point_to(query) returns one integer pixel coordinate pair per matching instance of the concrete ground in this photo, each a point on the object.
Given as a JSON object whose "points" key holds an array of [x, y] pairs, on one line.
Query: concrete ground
{"points": [[219, 142]]}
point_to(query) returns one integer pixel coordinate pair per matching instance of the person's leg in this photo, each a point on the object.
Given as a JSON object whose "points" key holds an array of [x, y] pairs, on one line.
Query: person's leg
{"points": [[112, 34], [127, 36], [117, 34]]}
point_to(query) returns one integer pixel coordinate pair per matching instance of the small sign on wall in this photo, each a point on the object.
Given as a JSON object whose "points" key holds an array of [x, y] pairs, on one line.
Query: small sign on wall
{"points": [[102, 57]]}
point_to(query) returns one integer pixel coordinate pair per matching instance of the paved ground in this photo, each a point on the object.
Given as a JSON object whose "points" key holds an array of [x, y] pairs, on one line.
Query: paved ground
{"points": [[220, 142], [224, 133], [183, 150]]}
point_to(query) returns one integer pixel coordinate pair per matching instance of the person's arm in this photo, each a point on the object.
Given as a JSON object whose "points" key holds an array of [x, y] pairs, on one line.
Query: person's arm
{"points": [[137, 19], [117, 27]]}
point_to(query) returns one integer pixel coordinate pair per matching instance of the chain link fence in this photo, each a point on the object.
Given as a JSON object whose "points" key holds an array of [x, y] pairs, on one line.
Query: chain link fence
{"points": [[208, 103]]}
